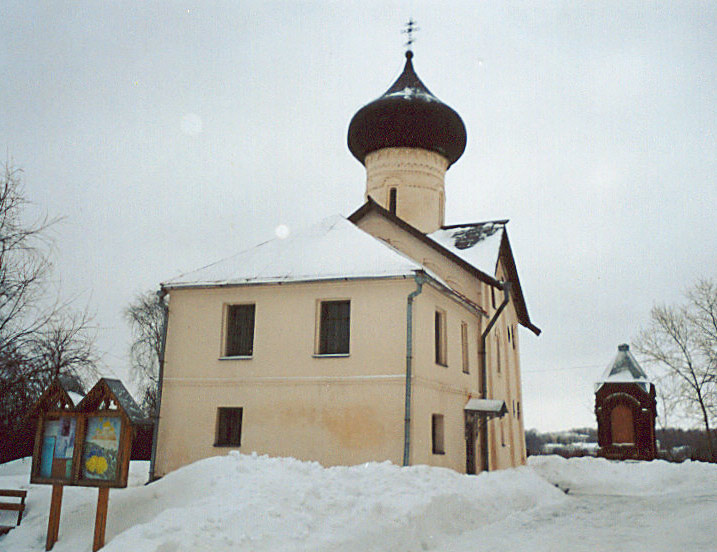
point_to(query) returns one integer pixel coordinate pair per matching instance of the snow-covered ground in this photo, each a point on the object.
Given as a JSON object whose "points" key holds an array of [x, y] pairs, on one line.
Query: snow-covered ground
{"points": [[256, 503]]}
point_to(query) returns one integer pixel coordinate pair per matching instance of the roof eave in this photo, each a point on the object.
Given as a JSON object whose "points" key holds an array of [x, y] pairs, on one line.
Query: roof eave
{"points": [[204, 285], [506, 253]]}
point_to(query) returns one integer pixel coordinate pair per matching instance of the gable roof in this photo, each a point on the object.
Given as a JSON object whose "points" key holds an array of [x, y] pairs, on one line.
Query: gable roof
{"points": [[332, 249], [117, 392], [61, 394], [476, 247]]}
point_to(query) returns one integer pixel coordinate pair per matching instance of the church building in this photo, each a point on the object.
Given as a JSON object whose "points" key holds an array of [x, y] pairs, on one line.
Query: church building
{"points": [[384, 335]]}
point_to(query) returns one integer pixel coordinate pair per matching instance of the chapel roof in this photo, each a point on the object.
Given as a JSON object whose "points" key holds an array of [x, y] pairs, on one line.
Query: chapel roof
{"points": [[407, 115], [624, 369]]}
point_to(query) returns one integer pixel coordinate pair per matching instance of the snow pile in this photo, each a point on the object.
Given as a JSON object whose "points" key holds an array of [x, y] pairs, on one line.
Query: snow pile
{"points": [[240, 502], [601, 476], [257, 503]]}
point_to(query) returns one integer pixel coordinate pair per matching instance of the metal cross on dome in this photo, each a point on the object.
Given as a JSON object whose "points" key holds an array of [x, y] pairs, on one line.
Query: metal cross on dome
{"points": [[410, 28]]}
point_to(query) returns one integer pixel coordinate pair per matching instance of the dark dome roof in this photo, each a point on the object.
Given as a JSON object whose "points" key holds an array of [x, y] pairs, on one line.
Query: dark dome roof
{"points": [[407, 115]]}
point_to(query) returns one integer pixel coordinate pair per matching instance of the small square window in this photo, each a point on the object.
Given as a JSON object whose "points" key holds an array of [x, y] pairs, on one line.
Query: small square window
{"points": [[240, 330], [228, 427], [437, 434], [334, 327], [440, 335]]}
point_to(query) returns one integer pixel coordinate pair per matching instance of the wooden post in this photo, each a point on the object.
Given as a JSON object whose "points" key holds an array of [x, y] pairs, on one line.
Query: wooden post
{"points": [[101, 518], [53, 524]]}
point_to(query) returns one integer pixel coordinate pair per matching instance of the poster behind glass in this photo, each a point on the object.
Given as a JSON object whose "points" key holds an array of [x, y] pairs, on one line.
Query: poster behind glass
{"points": [[58, 447], [101, 451]]}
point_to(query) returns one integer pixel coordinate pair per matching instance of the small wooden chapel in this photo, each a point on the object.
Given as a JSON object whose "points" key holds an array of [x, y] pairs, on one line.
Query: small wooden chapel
{"points": [[626, 408]]}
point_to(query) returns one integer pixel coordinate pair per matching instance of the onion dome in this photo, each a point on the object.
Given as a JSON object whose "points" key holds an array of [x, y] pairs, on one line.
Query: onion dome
{"points": [[407, 115]]}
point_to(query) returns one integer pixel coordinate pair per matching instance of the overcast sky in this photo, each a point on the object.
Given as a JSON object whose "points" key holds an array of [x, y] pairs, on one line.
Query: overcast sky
{"points": [[172, 134]]}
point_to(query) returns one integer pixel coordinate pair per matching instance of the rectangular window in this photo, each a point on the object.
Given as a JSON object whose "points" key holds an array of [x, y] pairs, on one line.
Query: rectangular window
{"points": [[464, 347], [497, 352], [440, 331], [437, 434], [240, 330], [228, 427], [334, 327], [392, 193], [518, 415]]}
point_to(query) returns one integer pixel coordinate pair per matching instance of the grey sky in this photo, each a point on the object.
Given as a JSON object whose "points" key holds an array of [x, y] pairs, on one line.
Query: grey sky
{"points": [[173, 134]]}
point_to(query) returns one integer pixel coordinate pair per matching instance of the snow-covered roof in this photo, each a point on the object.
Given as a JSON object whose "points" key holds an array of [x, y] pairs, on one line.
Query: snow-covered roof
{"points": [[477, 244], [624, 369], [331, 249], [490, 407], [76, 397]]}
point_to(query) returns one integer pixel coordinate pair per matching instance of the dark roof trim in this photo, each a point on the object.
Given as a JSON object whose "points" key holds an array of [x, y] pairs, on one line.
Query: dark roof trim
{"points": [[371, 205], [506, 253], [451, 226]]}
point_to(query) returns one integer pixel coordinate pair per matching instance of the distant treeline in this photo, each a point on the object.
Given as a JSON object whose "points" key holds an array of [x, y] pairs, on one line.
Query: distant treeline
{"points": [[674, 444]]}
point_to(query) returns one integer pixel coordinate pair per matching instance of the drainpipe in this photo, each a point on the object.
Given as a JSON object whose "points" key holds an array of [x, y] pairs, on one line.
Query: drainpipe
{"points": [[420, 280], [484, 371], [161, 294]]}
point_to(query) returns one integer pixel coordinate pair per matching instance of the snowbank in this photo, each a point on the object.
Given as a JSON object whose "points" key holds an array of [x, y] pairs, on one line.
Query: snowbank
{"points": [[240, 502], [257, 503], [601, 476]]}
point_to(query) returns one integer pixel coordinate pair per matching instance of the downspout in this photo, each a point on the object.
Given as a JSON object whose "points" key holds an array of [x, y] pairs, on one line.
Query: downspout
{"points": [[484, 372], [161, 294], [420, 280]]}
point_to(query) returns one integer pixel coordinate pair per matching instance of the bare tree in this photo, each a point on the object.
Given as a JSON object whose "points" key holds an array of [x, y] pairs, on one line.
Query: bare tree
{"points": [[40, 338], [146, 316], [682, 340]]}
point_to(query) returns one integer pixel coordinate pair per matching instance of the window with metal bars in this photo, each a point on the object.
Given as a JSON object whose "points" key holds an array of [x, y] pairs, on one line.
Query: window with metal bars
{"points": [[229, 427], [334, 327], [240, 330]]}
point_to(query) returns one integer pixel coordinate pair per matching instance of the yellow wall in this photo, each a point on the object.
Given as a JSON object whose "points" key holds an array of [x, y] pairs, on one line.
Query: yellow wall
{"points": [[458, 278], [334, 410]]}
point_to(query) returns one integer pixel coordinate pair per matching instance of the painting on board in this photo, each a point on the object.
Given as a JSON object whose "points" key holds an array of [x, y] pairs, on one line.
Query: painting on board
{"points": [[102, 441], [58, 447]]}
